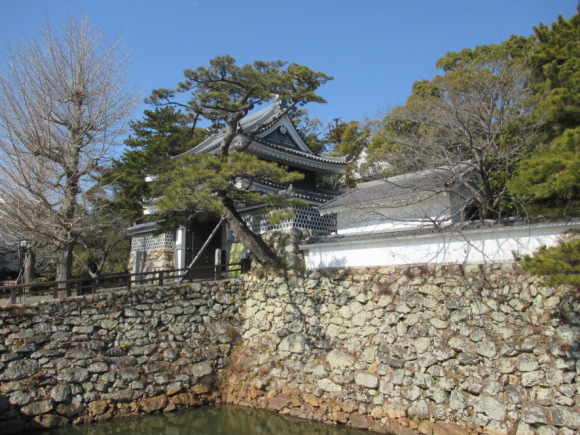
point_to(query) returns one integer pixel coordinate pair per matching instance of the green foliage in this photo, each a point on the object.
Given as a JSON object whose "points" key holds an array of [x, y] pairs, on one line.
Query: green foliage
{"points": [[429, 109], [88, 254], [106, 248], [557, 58], [475, 115], [348, 139], [161, 135], [224, 92], [516, 48], [560, 264], [221, 85], [202, 182], [309, 129], [551, 177], [549, 180], [118, 191]]}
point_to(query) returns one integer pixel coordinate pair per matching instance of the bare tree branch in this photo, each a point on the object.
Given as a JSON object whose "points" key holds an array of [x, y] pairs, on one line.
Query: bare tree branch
{"points": [[478, 118], [64, 101]]}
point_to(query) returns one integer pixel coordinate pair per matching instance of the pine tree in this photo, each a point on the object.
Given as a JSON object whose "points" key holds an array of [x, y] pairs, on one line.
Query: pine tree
{"points": [[549, 180], [224, 93], [162, 134], [560, 264]]}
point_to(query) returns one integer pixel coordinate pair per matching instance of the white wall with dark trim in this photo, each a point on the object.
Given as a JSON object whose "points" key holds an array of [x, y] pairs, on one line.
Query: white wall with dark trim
{"points": [[495, 244]]}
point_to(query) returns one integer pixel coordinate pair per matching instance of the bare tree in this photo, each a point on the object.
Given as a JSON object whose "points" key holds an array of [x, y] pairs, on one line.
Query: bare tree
{"points": [[475, 119], [64, 100], [109, 232]]}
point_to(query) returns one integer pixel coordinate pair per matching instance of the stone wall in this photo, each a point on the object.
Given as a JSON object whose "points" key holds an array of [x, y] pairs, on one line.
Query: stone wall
{"points": [[460, 350], [404, 350], [114, 355], [154, 259], [285, 244]]}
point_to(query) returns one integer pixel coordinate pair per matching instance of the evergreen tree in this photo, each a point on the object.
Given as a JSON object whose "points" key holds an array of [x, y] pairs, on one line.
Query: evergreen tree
{"points": [[309, 129], [350, 140], [545, 181], [560, 264], [557, 65], [119, 191], [162, 134], [549, 179], [224, 93]]}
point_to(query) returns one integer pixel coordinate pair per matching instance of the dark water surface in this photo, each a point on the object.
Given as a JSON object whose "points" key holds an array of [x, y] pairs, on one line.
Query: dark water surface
{"points": [[209, 420]]}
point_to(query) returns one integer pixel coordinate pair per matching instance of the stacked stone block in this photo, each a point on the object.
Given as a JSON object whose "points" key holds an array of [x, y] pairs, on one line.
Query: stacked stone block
{"points": [[400, 350], [115, 355], [452, 349]]}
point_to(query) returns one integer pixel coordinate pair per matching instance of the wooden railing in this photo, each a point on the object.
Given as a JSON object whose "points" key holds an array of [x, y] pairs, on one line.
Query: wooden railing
{"points": [[83, 286]]}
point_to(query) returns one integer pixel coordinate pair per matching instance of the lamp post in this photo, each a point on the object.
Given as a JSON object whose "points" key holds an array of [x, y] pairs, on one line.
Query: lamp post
{"points": [[22, 251]]}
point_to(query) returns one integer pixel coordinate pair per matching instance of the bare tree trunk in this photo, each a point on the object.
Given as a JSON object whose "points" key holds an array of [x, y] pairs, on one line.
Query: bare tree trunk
{"points": [[63, 106], [64, 257], [251, 241], [29, 266]]}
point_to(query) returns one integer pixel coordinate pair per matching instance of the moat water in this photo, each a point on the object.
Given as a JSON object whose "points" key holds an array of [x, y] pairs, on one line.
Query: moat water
{"points": [[209, 420]]}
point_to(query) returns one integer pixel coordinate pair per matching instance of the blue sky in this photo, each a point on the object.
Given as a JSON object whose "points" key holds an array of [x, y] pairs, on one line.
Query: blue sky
{"points": [[374, 49]]}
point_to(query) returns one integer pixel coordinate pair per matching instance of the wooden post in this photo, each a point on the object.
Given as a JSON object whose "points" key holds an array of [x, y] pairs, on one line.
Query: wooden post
{"points": [[55, 292], [94, 286], [129, 282], [13, 295], [161, 277]]}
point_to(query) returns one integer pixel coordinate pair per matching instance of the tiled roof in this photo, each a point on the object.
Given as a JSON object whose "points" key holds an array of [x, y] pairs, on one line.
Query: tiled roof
{"points": [[261, 117], [264, 118], [209, 144], [311, 193], [325, 159], [142, 228], [431, 180], [461, 227], [247, 123]]}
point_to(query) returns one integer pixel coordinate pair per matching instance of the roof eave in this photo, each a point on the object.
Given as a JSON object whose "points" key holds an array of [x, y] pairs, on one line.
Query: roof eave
{"points": [[435, 233]]}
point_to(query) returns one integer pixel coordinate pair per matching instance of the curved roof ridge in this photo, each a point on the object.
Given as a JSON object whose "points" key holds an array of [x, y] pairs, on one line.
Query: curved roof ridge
{"points": [[330, 159], [206, 145], [247, 123]]}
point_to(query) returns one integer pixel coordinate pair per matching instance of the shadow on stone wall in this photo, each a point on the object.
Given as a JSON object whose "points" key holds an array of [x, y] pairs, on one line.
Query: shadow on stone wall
{"points": [[448, 349], [115, 355], [404, 350]]}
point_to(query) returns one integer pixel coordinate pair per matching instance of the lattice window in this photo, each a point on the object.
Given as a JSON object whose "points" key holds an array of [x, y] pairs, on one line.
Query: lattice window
{"points": [[306, 217], [150, 241]]}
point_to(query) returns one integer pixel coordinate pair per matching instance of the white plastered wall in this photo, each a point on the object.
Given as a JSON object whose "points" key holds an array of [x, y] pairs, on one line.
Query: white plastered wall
{"points": [[472, 246]]}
